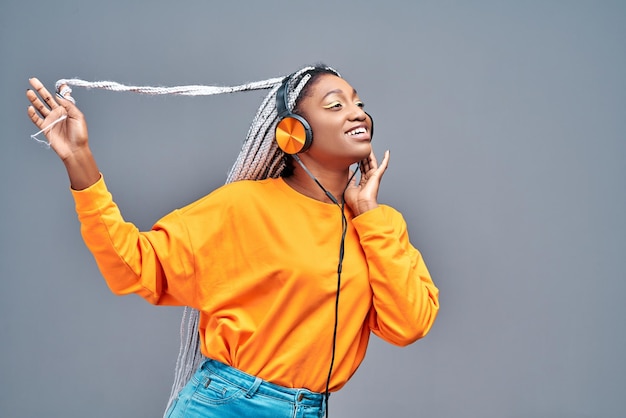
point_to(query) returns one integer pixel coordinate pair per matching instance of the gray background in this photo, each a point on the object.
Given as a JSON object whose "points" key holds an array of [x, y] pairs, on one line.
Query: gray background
{"points": [[505, 122]]}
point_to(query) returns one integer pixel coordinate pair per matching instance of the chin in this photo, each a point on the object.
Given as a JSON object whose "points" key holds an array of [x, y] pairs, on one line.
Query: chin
{"points": [[365, 152]]}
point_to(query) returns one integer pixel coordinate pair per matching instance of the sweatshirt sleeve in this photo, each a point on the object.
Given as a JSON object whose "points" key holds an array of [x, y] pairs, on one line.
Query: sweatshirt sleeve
{"points": [[405, 299], [157, 265]]}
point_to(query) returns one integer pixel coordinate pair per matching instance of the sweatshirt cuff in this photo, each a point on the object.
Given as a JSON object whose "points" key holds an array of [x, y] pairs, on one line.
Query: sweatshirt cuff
{"points": [[93, 197], [370, 220]]}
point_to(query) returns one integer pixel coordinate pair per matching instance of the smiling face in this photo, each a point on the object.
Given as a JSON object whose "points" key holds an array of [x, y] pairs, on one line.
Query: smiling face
{"points": [[341, 129]]}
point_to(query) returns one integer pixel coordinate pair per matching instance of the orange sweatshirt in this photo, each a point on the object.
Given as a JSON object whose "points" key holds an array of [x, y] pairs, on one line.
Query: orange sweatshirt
{"points": [[259, 261]]}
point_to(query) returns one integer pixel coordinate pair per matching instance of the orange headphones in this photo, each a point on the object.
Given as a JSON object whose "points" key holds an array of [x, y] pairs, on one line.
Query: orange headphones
{"points": [[293, 132]]}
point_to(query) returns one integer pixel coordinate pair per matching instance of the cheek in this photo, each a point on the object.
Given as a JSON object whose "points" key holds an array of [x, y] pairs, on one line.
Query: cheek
{"points": [[325, 129], [327, 138]]}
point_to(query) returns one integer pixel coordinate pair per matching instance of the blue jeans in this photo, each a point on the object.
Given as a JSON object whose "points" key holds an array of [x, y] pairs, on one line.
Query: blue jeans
{"points": [[220, 391]]}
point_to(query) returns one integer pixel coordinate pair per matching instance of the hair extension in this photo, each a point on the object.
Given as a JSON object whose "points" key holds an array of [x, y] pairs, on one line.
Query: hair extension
{"points": [[259, 158], [190, 90]]}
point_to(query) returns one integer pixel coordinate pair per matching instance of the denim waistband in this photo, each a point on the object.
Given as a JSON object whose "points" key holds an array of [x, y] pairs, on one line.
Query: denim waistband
{"points": [[253, 384]]}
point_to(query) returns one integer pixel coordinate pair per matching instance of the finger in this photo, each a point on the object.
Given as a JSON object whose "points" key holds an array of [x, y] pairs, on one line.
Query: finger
{"points": [[65, 93], [370, 163], [365, 163], [385, 163], [36, 103], [43, 101], [43, 92], [373, 161], [34, 117], [363, 166]]}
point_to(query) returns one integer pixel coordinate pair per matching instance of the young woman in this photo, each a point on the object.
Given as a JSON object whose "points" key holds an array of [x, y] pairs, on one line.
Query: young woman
{"points": [[289, 266]]}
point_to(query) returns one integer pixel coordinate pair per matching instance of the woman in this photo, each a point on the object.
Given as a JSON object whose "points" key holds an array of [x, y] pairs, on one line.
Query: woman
{"points": [[289, 272]]}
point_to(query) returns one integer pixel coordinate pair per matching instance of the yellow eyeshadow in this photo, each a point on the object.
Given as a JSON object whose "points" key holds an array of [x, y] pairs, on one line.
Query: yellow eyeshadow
{"points": [[328, 106]]}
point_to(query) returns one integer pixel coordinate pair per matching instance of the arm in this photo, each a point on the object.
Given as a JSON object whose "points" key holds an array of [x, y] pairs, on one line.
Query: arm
{"points": [[405, 299], [129, 260], [157, 265]]}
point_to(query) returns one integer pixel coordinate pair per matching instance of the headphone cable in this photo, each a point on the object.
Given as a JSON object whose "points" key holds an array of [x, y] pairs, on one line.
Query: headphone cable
{"points": [[344, 231]]}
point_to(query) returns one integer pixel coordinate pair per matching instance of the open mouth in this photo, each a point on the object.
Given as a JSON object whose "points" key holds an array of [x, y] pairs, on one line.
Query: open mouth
{"points": [[357, 131]]}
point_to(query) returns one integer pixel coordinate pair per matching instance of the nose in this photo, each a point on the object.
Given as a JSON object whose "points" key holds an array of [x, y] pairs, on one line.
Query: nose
{"points": [[357, 113]]}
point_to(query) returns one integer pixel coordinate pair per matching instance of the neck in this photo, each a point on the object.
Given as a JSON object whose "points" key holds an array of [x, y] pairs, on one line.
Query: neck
{"points": [[333, 181]]}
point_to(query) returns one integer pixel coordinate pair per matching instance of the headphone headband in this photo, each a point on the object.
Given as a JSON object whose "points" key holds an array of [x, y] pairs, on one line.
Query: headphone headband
{"points": [[282, 106]]}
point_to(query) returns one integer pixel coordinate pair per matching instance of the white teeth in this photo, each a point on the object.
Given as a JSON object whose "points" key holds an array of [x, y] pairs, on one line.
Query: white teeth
{"points": [[357, 131]]}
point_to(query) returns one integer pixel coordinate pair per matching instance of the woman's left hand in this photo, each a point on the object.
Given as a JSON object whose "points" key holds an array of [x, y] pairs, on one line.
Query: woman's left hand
{"points": [[363, 196]]}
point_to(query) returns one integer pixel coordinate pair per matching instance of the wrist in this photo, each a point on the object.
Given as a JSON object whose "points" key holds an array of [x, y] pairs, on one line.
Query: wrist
{"points": [[81, 168], [363, 207]]}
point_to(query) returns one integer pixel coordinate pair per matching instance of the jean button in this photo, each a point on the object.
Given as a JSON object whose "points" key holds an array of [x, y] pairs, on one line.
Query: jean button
{"points": [[300, 397]]}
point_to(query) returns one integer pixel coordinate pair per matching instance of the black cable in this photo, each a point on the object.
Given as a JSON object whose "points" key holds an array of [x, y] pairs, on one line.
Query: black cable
{"points": [[344, 231]]}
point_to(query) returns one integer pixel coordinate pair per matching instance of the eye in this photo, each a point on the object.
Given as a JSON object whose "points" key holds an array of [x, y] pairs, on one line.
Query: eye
{"points": [[360, 104], [333, 105]]}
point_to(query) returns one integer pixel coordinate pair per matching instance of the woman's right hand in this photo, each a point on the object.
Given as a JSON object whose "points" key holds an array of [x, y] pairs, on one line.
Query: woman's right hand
{"points": [[69, 135], [68, 138]]}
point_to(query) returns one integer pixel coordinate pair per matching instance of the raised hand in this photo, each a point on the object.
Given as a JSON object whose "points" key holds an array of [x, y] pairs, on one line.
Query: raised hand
{"points": [[68, 137], [363, 196]]}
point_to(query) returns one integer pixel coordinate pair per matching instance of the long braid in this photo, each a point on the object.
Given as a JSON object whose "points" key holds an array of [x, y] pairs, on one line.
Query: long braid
{"points": [[190, 90]]}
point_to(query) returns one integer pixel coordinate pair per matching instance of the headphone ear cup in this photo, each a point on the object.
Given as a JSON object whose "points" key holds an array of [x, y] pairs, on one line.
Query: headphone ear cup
{"points": [[293, 134]]}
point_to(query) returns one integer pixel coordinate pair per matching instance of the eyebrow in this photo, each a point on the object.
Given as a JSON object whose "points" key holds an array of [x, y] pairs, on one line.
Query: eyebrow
{"points": [[338, 91]]}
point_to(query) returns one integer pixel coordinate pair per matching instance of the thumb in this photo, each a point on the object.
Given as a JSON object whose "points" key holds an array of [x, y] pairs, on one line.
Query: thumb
{"points": [[65, 94], [65, 99]]}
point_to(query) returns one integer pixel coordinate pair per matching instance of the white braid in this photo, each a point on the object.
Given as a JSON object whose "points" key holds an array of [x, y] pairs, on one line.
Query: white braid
{"points": [[259, 158], [191, 90]]}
